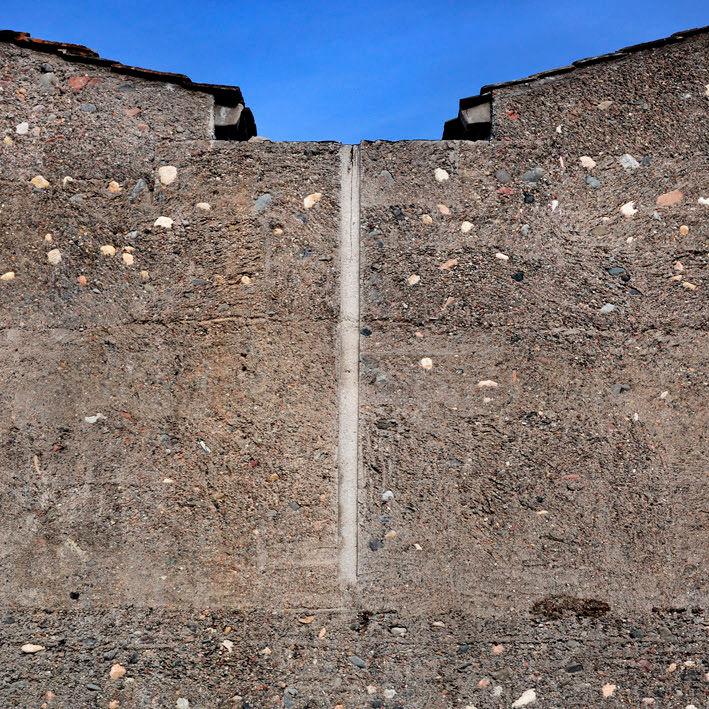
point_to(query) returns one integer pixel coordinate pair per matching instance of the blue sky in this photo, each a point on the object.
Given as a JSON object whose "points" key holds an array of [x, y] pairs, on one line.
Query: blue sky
{"points": [[353, 70]]}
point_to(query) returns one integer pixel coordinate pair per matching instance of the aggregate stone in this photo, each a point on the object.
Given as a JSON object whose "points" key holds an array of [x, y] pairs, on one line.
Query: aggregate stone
{"points": [[312, 199], [262, 202], [387, 176], [167, 174], [669, 198], [533, 175], [628, 162], [140, 186], [48, 83], [40, 182], [31, 648]]}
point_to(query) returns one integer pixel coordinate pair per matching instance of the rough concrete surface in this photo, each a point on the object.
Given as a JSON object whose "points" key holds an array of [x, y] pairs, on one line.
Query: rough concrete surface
{"points": [[531, 519]]}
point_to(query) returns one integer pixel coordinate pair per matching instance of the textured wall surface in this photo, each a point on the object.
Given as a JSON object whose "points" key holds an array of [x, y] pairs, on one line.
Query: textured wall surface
{"points": [[532, 477], [514, 461]]}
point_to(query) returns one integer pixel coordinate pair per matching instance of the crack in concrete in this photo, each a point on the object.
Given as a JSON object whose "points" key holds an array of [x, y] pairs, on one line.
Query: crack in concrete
{"points": [[348, 438]]}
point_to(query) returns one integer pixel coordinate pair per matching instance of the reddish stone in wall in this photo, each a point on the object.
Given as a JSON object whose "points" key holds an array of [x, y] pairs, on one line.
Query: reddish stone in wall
{"points": [[78, 82], [669, 198]]}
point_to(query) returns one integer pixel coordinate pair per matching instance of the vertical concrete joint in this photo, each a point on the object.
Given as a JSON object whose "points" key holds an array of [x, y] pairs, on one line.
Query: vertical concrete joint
{"points": [[210, 121], [348, 435]]}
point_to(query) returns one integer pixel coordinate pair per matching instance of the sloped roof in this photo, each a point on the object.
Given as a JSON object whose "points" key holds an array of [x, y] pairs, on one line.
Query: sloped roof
{"points": [[455, 129], [227, 95]]}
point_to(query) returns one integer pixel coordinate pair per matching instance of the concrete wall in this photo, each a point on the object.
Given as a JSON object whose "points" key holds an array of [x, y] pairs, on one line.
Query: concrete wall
{"points": [[531, 503], [173, 350], [546, 481]]}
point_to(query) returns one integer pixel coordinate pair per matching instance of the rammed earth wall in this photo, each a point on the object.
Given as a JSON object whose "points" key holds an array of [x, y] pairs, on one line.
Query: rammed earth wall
{"points": [[531, 495]]}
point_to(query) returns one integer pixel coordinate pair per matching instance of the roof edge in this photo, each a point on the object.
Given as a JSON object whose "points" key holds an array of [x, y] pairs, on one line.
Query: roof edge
{"points": [[632, 49], [79, 53], [487, 91]]}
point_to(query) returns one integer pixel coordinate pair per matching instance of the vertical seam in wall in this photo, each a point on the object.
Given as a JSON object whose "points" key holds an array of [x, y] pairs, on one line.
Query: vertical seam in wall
{"points": [[348, 404], [210, 121]]}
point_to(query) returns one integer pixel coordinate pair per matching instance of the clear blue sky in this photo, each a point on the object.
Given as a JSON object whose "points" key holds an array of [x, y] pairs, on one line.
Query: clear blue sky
{"points": [[353, 70]]}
